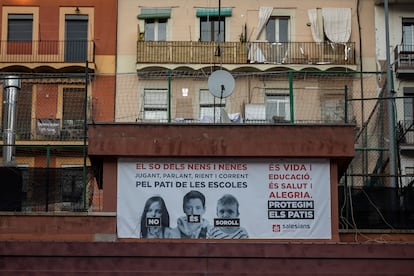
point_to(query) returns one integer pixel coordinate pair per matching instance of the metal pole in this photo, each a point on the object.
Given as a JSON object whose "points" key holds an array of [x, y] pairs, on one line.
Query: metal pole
{"points": [[85, 135], [12, 86], [291, 98], [346, 104], [48, 148], [169, 96], [391, 124]]}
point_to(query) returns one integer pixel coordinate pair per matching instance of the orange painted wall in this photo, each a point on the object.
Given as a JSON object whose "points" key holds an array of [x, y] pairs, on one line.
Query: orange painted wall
{"points": [[104, 25], [103, 101], [46, 101]]}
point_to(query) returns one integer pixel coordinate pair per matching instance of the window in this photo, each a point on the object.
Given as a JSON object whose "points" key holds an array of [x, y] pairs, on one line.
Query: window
{"points": [[408, 34], [72, 118], [277, 29], [409, 179], [408, 103], [277, 106], [72, 187], [210, 28], [76, 38], [20, 27], [156, 29], [210, 106], [20, 34], [156, 104], [408, 123], [212, 22], [277, 32], [156, 19]]}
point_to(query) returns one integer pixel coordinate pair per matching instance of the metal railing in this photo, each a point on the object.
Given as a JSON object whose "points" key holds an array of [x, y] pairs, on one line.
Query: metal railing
{"points": [[51, 51], [193, 52], [376, 208], [46, 189], [406, 132], [404, 57]]}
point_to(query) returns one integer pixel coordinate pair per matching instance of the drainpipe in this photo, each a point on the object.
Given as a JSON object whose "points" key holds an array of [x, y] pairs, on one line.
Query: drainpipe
{"points": [[390, 102], [11, 86]]}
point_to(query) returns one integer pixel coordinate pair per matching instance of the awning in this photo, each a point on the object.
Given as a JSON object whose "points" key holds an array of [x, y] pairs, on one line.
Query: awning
{"points": [[201, 12], [155, 13]]}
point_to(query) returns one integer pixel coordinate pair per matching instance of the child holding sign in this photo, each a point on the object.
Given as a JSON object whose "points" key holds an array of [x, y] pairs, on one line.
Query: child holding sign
{"points": [[155, 211], [193, 225], [227, 225]]}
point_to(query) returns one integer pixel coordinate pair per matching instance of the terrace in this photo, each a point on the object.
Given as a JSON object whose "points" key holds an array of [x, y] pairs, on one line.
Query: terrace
{"points": [[46, 53], [194, 52], [404, 60]]}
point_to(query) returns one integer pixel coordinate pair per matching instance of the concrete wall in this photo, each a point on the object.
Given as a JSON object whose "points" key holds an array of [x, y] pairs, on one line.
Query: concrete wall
{"points": [[184, 258]]}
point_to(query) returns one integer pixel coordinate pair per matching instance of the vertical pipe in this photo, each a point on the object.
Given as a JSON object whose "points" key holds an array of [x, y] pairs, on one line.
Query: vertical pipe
{"points": [[12, 86], [219, 32], [346, 104], [291, 98], [47, 178], [390, 102], [169, 96], [85, 133]]}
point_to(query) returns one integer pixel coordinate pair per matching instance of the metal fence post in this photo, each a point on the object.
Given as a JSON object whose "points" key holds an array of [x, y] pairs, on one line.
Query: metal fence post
{"points": [[85, 133], [169, 96], [292, 105], [346, 104]]}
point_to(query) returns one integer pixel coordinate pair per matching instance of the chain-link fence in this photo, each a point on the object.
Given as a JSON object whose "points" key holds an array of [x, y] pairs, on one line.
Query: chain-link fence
{"points": [[264, 98], [53, 112], [366, 199]]}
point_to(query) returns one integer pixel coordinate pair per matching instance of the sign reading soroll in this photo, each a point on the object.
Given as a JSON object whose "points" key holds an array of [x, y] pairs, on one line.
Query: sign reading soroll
{"points": [[199, 198]]}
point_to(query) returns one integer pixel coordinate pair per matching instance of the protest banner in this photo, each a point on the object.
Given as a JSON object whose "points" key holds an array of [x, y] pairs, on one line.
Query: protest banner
{"points": [[276, 199]]}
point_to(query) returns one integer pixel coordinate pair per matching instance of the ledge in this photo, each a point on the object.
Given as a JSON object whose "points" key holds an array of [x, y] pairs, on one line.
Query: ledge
{"points": [[335, 142]]}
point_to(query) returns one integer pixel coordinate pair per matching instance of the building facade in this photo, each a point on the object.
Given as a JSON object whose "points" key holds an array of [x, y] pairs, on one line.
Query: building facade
{"points": [[299, 71], [63, 55], [400, 17], [258, 43]]}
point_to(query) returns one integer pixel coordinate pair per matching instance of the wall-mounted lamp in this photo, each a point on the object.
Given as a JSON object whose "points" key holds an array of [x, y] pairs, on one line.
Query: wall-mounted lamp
{"points": [[184, 92], [77, 10]]}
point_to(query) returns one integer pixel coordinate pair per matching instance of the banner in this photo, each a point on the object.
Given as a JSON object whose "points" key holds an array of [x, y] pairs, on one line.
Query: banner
{"points": [[199, 198], [48, 127]]}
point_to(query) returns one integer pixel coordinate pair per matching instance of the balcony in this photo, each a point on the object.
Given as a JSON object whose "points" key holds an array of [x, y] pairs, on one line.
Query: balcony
{"points": [[54, 53], [406, 133], [404, 61], [238, 53]]}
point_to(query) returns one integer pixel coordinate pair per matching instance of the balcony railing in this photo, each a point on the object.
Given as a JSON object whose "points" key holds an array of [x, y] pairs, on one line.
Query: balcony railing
{"points": [[404, 57], [406, 132], [48, 51], [192, 52]]}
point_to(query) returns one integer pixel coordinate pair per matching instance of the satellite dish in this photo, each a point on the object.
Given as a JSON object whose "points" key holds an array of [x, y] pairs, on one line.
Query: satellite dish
{"points": [[221, 84]]}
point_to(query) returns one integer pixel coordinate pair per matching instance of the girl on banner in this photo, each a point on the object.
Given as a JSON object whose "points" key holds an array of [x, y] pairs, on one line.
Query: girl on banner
{"points": [[155, 219]]}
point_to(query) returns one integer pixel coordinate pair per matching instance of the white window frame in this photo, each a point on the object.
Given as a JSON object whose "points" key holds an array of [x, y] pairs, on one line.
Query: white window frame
{"points": [[155, 33], [408, 33], [277, 34], [156, 104], [277, 102]]}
